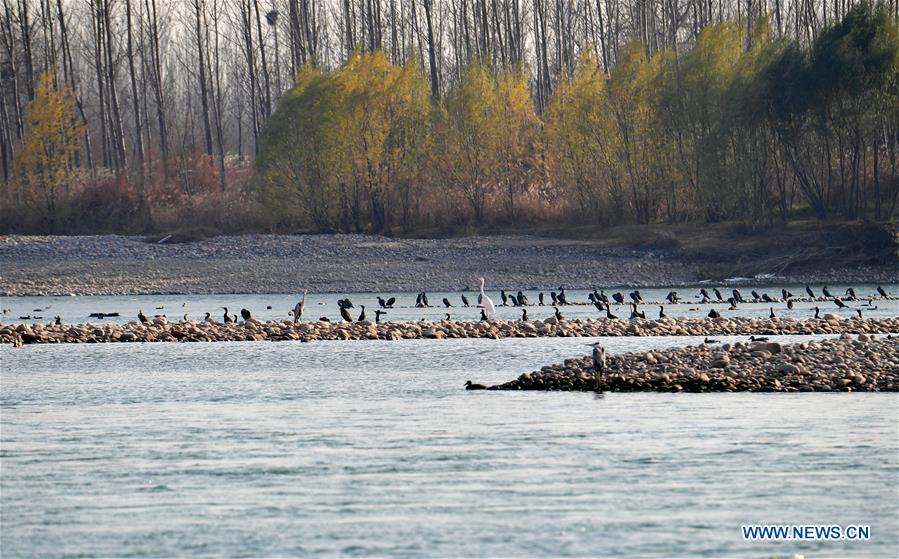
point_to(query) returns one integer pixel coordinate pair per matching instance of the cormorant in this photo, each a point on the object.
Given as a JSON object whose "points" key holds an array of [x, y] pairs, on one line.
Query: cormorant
{"points": [[790, 304], [524, 314], [470, 386], [418, 301], [672, 296], [850, 292], [710, 341], [58, 321], [738, 297], [754, 339], [378, 314], [771, 312], [559, 314], [390, 302], [424, 299], [347, 303], [636, 297], [503, 296], [662, 312], [810, 292], [714, 314], [540, 298], [447, 316], [817, 311], [381, 302], [718, 294], [465, 300], [345, 314], [704, 293], [142, 317], [522, 299], [826, 292], [635, 314], [598, 304], [882, 292], [619, 298], [483, 315], [362, 316], [767, 298], [839, 303], [245, 314], [755, 295], [733, 304], [609, 314], [859, 311], [207, 318], [562, 298], [446, 303], [325, 319], [554, 297]]}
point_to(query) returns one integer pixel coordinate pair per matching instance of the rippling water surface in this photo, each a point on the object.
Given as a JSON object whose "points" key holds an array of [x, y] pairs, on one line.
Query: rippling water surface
{"points": [[374, 449]]}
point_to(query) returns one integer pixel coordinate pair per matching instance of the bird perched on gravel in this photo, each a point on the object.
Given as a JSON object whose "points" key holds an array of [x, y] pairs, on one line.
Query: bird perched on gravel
{"points": [[345, 314], [599, 363], [714, 314]]}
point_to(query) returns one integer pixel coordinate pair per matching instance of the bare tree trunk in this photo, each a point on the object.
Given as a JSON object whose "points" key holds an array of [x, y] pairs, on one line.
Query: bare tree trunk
{"points": [[138, 130], [204, 92], [432, 56]]}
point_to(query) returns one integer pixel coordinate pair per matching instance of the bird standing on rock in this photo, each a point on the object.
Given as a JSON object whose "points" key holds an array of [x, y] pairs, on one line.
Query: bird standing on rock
{"points": [[142, 317], [540, 298], [362, 316], [662, 312], [882, 292], [714, 314], [446, 303], [825, 291], [558, 314], [524, 315], [245, 314], [378, 314], [345, 314], [599, 363], [390, 302], [465, 300], [488, 311], [771, 315], [810, 292], [839, 303], [298, 308]]}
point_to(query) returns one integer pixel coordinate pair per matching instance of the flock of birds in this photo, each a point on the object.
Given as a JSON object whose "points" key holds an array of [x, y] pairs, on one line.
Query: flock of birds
{"points": [[598, 298]]}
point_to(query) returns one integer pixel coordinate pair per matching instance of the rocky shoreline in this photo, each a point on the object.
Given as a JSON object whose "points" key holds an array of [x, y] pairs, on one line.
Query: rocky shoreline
{"points": [[860, 363], [161, 330], [120, 265]]}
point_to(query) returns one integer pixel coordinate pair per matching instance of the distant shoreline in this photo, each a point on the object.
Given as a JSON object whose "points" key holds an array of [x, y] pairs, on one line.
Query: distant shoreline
{"points": [[121, 265]]}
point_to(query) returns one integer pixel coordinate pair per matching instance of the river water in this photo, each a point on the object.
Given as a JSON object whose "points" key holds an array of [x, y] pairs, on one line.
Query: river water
{"points": [[372, 448]]}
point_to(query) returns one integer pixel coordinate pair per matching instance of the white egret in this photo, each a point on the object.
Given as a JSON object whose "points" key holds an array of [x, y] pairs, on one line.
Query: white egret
{"points": [[298, 309], [489, 309]]}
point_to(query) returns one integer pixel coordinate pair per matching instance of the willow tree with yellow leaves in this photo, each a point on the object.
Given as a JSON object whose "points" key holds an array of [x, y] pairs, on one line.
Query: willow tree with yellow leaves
{"points": [[42, 168], [345, 148]]}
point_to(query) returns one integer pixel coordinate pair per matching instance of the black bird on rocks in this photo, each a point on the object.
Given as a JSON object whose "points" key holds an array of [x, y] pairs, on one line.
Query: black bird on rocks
{"points": [[58, 321], [207, 318], [324, 319], [447, 317], [738, 297], [771, 312], [662, 312], [718, 294], [418, 301], [859, 311], [559, 314], [636, 297], [672, 297], [635, 314], [381, 302], [390, 302], [524, 315], [810, 292], [704, 293], [882, 292], [424, 299], [483, 315], [755, 295], [850, 292], [786, 294], [562, 297], [767, 298], [347, 303], [733, 304], [503, 296], [227, 319], [817, 312], [790, 304], [345, 314], [839, 303], [362, 314], [143, 318], [540, 298], [471, 386], [522, 299], [465, 300], [619, 298], [714, 314], [554, 297], [245, 314], [378, 314], [609, 314], [446, 303], [599, 305], [825, 291]]}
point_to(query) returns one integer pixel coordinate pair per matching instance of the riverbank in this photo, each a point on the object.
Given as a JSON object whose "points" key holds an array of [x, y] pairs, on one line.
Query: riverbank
{"points": [[119, 265], [860, 363], [161, 330]]}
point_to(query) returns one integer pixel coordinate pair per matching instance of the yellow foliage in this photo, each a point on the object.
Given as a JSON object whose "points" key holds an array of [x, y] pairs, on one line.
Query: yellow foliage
{"points": [[43, 163]]}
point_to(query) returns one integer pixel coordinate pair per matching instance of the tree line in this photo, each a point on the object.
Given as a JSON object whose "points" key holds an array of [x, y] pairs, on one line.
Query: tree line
{"points": [[386, 115]]}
